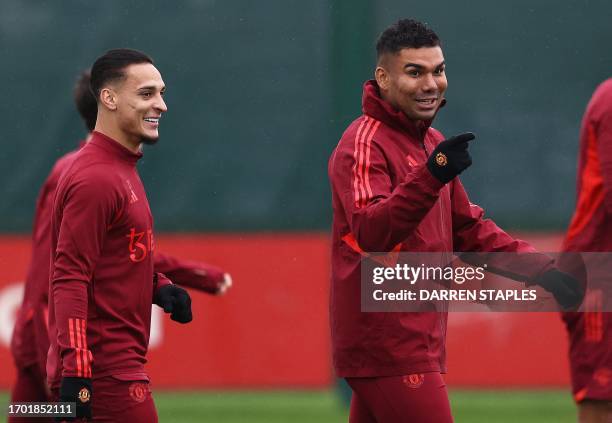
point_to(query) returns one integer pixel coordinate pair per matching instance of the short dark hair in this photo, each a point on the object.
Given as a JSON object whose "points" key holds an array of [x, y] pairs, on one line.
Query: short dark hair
{"points": [[85, 101], [406, 33], [111, 66]]}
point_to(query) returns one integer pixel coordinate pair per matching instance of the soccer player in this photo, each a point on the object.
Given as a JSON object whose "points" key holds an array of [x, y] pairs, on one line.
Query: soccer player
{"points": [[30, 340], [102, 279], [395, 188], [590, 333]]}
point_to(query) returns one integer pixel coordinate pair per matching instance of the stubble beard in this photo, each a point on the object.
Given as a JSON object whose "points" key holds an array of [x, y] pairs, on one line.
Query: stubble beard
{"points": [[149, 140]]}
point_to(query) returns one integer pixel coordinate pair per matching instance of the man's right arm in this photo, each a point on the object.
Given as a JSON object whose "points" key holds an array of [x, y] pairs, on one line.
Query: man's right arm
{"points": [[87, 210], [380, 216]]}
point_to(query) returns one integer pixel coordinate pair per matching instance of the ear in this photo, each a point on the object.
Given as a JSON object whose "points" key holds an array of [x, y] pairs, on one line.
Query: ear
{"points": [[108, 98], [382, 77]]}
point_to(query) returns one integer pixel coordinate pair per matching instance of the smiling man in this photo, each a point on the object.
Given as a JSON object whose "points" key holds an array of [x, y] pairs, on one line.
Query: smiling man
{"points": [[395, 188], [30, 340], [102, 282]]}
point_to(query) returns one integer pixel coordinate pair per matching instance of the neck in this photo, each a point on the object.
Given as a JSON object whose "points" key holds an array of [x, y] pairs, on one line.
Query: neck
{"points": [[112, 131]]}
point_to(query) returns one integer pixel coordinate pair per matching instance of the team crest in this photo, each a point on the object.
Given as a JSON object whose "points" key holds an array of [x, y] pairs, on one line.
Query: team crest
{"points": [[603, 376], [441, 159], [84, 395], [414, 380], [138, 391]]}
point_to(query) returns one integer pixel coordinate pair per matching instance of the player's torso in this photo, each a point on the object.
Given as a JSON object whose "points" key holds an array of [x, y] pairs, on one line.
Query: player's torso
{"points": [[377, 344], [591, 228], [121, 290]]}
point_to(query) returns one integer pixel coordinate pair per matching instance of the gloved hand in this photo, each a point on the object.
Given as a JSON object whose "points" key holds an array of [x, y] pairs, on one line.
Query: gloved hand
{"points": [[174, 299], [450, 157], [76, 389], [566, 289]]}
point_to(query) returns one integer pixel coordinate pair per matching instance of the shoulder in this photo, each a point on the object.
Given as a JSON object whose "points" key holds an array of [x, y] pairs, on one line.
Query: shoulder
{"points": [[361, 133], [85, 179], [358, 142], [60, 166], [605, 88], [600, 105]]}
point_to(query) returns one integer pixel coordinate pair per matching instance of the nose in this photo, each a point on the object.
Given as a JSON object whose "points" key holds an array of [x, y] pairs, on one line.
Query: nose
{"points": [[429, 83], [161, 104]]}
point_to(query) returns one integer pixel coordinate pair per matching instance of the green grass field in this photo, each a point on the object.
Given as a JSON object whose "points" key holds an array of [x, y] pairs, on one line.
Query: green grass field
{"points": [[324, 406]]}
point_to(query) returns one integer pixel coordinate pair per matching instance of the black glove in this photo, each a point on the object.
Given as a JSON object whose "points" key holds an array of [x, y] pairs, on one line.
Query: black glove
{"points": [[76, 389], [174, 299], [450, 157], [566, 289]]}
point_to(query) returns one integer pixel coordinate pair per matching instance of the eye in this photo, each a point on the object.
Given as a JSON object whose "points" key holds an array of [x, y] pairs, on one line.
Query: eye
{"points": [[439, 71], [146, 94], [414, 73]]}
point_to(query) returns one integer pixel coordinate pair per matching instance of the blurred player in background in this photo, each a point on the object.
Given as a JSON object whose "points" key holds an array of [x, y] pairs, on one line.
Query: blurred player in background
{"points": [[395, 188], [590, 333], [30, 341]]}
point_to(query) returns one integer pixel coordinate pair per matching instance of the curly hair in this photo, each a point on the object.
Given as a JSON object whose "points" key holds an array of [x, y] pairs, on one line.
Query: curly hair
{"points": [[406, 33]]}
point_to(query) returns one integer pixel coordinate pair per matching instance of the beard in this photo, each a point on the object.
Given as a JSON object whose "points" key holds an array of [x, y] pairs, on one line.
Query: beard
{"points": [[149, 140]]}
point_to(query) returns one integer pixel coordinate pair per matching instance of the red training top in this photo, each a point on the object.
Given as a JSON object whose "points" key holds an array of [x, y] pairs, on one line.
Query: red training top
{"points": [[385, 199], [589, 231], [101, 284], [30, 340], [591, 224]]}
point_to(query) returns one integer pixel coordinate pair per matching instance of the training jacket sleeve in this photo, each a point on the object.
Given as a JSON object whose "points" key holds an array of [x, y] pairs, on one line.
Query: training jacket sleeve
{"points": [[192, 274], [473, 233], [380, 216]]}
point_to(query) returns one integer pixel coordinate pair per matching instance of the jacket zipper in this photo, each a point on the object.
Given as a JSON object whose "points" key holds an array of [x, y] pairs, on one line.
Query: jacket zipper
{"points": [[441, 326]]}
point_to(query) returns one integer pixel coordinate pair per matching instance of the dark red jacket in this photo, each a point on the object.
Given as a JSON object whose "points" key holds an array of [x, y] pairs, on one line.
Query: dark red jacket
{"points": [[385, 199], [591, 224]]}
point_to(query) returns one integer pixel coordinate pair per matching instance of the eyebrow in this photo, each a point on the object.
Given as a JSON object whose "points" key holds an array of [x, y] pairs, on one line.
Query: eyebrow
{"points": [[415, 65], [151, 87]]}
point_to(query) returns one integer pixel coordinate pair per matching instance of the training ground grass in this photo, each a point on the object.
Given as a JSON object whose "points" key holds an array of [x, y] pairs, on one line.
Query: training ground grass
{"points": [[326, 407]]}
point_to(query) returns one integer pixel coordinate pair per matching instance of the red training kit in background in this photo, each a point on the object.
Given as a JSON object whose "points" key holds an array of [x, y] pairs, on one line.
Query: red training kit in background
{"points": [[101, 286], [590, 333], [30, 340], [385, 199]]}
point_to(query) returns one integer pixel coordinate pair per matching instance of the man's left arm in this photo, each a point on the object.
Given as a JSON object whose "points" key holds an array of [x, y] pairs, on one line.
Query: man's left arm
{"points": [[472, 233], [201, 276]]}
